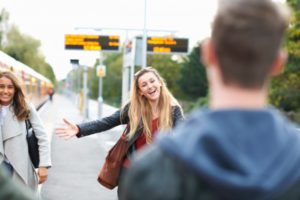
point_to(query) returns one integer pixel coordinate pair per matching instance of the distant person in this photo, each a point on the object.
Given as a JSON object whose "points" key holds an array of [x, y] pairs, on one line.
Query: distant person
{"points": [[51, 93], [239, 147], [151, 107], [14, 154], [9, 190]]}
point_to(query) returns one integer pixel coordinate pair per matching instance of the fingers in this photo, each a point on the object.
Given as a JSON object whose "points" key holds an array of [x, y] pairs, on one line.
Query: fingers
{"points": [[42, 179], [63, 133], [68, 131], [69, 122], [65, 136], [43, 174], [60, 130], [73, 127]]}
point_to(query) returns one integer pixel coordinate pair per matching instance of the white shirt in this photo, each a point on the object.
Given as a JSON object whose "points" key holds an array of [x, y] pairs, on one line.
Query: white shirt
{"points": [[3, 112]]}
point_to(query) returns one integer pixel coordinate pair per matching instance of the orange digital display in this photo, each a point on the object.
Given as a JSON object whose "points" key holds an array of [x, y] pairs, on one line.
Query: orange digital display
{"points": [[167, 45], [92, 42]]}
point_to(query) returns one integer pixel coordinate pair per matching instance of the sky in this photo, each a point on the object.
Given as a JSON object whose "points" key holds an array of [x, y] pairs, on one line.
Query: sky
{"points": [[49, 21]]}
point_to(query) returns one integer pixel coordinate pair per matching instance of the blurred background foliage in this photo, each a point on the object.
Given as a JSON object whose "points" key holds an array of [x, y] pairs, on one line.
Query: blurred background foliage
{"points": [[184, 74], [285, 88], [23, 48]]}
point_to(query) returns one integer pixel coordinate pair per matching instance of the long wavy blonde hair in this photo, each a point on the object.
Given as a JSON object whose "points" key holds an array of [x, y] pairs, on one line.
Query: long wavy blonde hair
{"points": [[140, 108], [19, 104]]}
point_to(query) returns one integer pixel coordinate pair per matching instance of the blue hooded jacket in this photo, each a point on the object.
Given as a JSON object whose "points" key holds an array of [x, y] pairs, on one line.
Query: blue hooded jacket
{"points": [[240, 154]]}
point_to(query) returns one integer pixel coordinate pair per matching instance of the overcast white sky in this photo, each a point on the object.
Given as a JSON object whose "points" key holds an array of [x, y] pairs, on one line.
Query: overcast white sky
{"points": [[49, 20]]}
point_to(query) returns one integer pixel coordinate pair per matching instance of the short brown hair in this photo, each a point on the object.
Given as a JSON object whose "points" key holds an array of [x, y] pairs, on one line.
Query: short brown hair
{"points": [[247, 36]]}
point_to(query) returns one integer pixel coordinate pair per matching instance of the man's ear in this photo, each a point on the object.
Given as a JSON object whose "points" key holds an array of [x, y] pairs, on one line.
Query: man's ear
{"points": [[279, 62], [208, 53]]}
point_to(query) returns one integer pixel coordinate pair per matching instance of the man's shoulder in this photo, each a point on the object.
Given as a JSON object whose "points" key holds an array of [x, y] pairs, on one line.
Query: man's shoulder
{"points": [[163, 176], [293, 193], [151, 156], [148, 175]]}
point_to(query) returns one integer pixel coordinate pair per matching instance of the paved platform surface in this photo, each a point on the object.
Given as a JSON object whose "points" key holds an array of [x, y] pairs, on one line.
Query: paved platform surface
{"points": [[76, 162]]}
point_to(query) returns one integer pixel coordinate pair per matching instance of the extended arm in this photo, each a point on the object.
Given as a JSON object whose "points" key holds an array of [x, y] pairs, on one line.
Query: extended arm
{"points": [[104, 124], [70, 129]]}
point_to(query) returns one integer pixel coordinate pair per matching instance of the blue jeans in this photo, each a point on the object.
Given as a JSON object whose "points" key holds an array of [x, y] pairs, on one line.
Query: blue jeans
{"points": [[7, 167]]}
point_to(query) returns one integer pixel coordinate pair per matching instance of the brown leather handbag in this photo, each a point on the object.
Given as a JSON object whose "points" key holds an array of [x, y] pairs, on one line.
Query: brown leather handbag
{"points": [[110, 171]]}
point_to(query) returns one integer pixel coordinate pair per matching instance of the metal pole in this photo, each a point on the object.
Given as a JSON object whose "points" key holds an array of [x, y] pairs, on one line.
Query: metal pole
{"points": [[78, 86], [125, 72], [124, 82], [85, 92], [144, 56], [100, 89], [100, 99]]}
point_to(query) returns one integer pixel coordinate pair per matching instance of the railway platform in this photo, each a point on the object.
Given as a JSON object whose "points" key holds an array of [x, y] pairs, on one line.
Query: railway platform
{"points": [[76, 162]]}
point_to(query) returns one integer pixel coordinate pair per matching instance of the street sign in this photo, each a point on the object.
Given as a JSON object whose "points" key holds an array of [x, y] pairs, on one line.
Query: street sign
{"points": [[167, 45], [101, 70], [92, 42], [74, 61]]}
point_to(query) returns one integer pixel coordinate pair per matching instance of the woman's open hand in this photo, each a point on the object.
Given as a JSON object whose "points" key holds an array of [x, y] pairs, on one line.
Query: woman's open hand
{"points": [[68, 131]]}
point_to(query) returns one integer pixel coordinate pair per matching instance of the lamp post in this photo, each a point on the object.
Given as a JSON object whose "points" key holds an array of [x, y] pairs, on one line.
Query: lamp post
{"points": [[101, 71], [75, 66], [144, 55], [85, 93]]}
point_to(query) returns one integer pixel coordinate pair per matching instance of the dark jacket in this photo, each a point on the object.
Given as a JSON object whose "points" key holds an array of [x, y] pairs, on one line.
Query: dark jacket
{"points": [[10, 190], [118, 118], [226, 154]]}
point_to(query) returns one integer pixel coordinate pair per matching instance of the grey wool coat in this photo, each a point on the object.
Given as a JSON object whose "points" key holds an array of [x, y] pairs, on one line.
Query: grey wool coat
{"points": [[13, 145]]}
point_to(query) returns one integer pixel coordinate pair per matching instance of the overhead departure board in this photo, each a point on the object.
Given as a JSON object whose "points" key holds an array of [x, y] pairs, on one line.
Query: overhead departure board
{"points": [[92, 42]]}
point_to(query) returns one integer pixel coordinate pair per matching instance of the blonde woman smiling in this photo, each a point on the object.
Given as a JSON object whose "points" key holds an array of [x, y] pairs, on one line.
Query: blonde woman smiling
{"points": [[151, 108]]}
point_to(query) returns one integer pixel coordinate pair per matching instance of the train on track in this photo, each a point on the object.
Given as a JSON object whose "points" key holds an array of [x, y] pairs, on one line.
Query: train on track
{"points": [[34, 84]]}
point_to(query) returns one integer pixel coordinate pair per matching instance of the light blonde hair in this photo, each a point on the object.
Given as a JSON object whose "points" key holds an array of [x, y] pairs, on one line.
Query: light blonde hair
{"points": [[140, 108]]}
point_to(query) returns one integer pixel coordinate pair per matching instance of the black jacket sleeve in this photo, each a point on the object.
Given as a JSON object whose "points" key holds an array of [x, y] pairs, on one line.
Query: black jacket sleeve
{"points": [[177, 115], [106, 123]]}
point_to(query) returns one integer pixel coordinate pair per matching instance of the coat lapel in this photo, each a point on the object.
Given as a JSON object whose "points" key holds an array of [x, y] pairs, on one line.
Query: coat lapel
{"points": [[11, 126]]}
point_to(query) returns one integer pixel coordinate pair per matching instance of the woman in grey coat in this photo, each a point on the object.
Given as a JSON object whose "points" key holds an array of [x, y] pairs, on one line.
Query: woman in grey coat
{"points": [[14, 154]]}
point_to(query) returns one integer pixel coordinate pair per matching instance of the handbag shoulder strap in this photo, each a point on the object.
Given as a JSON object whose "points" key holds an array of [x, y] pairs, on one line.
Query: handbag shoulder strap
{"points": [[28, 124], [126, 130]]}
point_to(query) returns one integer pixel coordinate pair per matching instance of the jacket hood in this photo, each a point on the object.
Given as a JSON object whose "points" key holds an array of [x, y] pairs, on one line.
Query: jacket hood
{"points": [[241, 154]]}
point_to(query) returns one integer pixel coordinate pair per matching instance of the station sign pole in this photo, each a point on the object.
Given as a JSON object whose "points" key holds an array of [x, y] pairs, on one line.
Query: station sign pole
{"points": [[85, 93], [101, 72]]}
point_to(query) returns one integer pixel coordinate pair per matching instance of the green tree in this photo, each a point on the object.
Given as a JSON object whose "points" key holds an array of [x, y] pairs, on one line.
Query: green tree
{"points": [[4, 16], [112, 82], [25, 49], [285, 88], [168, 69], [193, 79]]}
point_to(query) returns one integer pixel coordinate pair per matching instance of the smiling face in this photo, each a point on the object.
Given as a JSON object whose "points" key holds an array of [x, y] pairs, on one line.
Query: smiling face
{"points": [[149, 86], [7, 91]]}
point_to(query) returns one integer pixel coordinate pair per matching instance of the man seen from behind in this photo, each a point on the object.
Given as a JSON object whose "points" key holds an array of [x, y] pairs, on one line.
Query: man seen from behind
{"points": [[239, 147]]}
